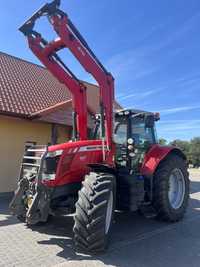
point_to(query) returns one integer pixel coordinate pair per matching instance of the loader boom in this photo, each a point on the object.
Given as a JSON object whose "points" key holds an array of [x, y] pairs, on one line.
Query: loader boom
{"points": [[69, 37]]}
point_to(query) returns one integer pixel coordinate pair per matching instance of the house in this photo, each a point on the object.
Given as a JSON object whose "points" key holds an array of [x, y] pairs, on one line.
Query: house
{"points": [[34, 109]]}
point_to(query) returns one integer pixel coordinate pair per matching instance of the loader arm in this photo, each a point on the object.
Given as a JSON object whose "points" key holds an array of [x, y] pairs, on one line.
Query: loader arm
{"points": [[69, 37]]}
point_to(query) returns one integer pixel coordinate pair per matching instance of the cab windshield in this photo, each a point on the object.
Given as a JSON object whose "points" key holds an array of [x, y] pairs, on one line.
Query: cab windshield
{"points": [[140, 133], [137, 130]]}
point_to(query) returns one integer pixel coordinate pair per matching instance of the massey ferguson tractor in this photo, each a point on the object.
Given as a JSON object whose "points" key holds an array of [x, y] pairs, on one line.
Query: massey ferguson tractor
{"points": [[120, 166]]}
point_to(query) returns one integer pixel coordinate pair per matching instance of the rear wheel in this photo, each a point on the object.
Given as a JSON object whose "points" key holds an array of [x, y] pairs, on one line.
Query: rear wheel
{"points": [[171, 189], [94, 212]]}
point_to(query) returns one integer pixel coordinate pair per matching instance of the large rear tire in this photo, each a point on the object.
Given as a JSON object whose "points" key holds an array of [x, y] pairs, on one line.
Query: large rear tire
{"points": [[171, 189], [94, 212]]}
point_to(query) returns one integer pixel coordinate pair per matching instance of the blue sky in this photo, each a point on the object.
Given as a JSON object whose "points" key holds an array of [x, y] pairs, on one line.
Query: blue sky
{"points": [[152, 49]]}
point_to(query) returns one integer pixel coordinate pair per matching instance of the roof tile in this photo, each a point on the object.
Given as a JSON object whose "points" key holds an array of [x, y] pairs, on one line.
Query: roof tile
{"points": [[27, 88]]}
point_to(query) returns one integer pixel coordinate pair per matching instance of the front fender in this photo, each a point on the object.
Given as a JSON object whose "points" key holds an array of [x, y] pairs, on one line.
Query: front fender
{"points": [[155, 155]]}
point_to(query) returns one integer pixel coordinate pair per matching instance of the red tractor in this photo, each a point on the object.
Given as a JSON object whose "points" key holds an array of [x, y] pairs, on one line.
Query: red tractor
{"points": [[120, 166]]}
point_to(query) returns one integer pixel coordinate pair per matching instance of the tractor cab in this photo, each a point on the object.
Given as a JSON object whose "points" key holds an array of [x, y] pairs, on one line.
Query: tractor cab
{"points": [[134, 134]]}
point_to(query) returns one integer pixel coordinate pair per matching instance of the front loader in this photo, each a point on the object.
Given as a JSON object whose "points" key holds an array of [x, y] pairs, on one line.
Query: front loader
{"points": [[121, 167]]}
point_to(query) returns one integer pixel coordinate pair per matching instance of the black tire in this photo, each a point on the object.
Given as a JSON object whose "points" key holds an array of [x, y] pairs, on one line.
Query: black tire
{"points": [[90, 233], [165, 211]]}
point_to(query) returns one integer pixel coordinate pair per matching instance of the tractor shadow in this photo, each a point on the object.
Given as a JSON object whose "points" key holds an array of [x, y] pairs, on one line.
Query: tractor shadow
{"points": [[130, 239], [126, 226], [129, 230]]}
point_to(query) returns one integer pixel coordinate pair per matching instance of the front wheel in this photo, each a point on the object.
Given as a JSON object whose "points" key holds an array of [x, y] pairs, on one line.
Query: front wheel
{"points": [[94, 212], [171, 189]]}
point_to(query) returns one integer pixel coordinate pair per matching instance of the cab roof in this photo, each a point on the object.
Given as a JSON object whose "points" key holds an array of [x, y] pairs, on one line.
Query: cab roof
{"points": [[128, 112], [132, 111]]}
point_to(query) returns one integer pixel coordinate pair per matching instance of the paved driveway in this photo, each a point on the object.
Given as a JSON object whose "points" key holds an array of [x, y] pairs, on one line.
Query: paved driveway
{"points": [[136, 241]]}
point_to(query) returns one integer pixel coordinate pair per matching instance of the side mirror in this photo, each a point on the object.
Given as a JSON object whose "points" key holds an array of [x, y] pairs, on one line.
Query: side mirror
{"points": [[149, 121]]}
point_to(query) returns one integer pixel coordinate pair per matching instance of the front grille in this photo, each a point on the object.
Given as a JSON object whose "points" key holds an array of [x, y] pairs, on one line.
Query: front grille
{"points": [[32, 162]]}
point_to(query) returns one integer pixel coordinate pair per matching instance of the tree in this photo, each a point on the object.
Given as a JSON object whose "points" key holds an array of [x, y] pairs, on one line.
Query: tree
{"points": [[194, 151], [191, 149], [183, 145]]}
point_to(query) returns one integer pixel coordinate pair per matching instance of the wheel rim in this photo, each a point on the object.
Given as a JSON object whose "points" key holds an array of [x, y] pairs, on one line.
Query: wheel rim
{"points": [[176, 191], [109, 212]]}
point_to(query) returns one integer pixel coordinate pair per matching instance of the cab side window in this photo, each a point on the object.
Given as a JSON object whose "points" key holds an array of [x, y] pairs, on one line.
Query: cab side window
{"points": [[120, 136]]}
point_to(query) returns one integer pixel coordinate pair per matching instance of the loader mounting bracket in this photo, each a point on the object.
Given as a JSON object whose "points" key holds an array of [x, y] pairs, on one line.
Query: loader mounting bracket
{"points": [[47, 9]]}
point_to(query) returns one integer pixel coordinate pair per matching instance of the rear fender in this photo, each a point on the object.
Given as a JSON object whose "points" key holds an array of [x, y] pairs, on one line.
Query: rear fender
{"points": [[155, 156]]}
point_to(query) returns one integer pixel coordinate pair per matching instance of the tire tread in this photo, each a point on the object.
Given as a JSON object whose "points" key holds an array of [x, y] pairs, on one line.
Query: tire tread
{"points": [[89, 227]]}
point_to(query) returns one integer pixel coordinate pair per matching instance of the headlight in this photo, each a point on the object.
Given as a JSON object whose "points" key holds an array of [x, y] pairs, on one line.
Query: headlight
{"points": [[50, 165], [130, 147], [54, 153], [130, 141]]}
